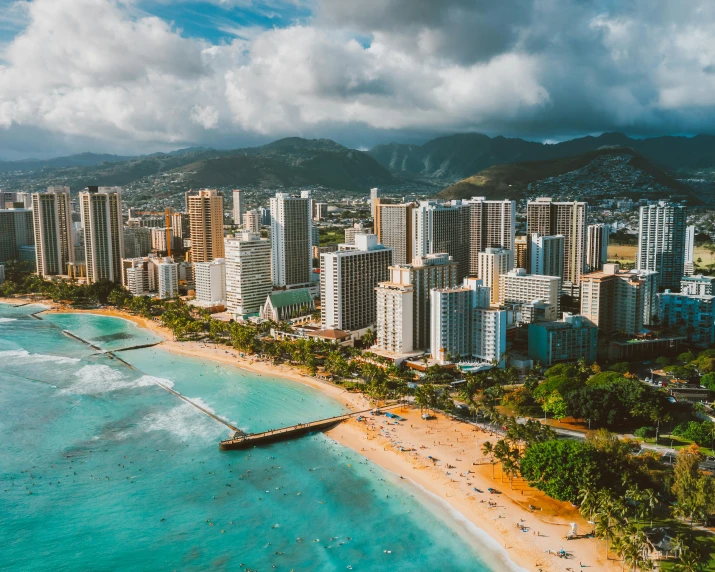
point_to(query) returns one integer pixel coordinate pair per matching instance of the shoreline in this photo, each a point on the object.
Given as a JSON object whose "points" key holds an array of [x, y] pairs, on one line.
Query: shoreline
{"points": [[450, 476]]}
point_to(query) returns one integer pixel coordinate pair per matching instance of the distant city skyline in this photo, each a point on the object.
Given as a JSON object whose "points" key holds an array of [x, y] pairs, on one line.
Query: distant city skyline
{"points": [[140, 76]]}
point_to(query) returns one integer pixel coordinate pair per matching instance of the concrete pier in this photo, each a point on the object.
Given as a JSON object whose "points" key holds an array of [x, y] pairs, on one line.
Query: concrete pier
{"points": [[292, 432]]}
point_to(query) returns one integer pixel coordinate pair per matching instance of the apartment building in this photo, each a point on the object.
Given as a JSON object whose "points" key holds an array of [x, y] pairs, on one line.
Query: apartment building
{"points": [[248, 273], [348, 279], [101, 213], [54, 235]]}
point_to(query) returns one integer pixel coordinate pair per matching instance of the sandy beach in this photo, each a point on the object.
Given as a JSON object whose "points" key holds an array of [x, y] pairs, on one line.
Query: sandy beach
{"points": [[443, 456]]}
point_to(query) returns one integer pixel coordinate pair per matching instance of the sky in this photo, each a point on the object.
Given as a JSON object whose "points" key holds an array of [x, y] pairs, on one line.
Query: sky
{"points": [[140, 76]]}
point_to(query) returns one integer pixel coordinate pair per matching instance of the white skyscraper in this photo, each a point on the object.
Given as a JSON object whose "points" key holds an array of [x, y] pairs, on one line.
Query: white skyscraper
{"points": [[291, 240], [348, 279], [101, 211], [518, 287], [395, 316], [238, 207], [210, 282], [689, 268], [374, 195], [546, 255], [168, 273], [54, 236], [248, 273], [463, 325], [252, 221], [661, 242], [491, 264], [597, 246], [138, 275]]}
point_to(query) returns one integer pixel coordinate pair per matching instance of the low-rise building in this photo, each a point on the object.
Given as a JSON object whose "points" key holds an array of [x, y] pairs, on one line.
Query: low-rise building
{"points": [[570, 339], [697, 285], [288, 305], [689, 315]]}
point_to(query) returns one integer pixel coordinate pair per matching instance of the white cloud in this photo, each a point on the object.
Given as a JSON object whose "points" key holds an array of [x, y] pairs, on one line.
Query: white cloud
{"points": [[103, 70]]}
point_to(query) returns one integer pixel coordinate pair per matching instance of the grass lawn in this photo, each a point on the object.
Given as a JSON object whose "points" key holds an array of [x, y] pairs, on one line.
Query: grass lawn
{"points": [[677, 443], [627, 253], [330, 235]]}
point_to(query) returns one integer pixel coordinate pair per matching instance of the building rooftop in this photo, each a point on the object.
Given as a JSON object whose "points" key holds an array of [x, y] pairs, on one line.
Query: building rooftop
{"points": [[284, 298]]}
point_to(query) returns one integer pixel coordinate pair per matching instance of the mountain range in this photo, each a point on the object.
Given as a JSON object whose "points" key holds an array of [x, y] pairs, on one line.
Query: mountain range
{"points": [[460, 164]]}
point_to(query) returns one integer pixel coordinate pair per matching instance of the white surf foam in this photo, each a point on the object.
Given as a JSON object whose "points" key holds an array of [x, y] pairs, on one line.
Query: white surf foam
{"points": [[147, 380], [25, 357], [184, 421], [3, 320], [97, 379]]}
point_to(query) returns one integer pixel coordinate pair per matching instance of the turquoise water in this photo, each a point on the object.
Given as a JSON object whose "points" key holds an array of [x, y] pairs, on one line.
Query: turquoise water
{"points": [[101, 469]]}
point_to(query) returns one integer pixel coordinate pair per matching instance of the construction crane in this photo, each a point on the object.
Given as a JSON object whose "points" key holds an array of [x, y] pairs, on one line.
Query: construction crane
{"points": [[167, 223]]}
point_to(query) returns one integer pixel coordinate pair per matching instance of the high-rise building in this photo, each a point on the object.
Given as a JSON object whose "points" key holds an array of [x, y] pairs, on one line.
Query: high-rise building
{"points": [[265, 216], [393, 227], [351, 231], [16, 231], [395, 316], [521, 252], [439, 227], [491, 264], [411, 283], [548, 218], [181, 225], [24, 200], [661, 242], [597, 246], [206, 224], [546, 255], [698, 285], [137, 242], [54, 236], [252, 221], [101, 211], [374, 196], [320, 211], [464, 326], [2, 273], [348, 279], [519, 288], [492, 225], [238, 207], [138, 275], [291, 240], [248, 273], [692, 315], [168, 273], [619, 301], [159, 239], [210, 282], [689, 267]]}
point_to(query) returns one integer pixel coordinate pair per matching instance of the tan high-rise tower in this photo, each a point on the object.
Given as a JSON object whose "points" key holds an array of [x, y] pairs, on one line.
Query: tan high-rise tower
{"points": [[101, 211], [54, 244], [206, 224]]}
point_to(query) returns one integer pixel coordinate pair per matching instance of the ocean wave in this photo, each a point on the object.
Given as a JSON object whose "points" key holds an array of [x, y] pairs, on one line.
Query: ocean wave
{"points": [[26, 357], [184, 421], [3, 320], [147, 380]]}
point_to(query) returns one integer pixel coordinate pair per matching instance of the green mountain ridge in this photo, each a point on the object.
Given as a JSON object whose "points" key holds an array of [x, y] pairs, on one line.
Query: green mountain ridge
{"points": [[602, 173], [455, 157]]}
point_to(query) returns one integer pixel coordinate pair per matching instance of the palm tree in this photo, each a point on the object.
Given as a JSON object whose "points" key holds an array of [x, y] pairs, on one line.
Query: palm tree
{"points": [[689, 562], [589, 504], [488, 449], [609, 517]]}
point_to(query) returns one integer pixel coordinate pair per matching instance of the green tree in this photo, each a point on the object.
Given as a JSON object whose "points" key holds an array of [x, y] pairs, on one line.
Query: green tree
{"points": [[561, 468]]}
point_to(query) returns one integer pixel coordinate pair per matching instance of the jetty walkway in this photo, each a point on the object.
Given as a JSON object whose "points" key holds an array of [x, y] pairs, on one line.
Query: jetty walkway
{"points": [[246, 441]]}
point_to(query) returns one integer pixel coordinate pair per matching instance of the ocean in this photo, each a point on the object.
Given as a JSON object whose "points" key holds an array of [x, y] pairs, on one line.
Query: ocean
{"points": [[102, 469]]}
